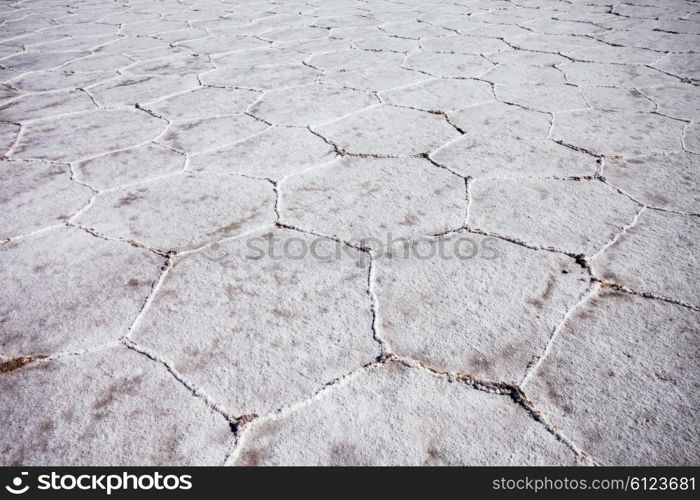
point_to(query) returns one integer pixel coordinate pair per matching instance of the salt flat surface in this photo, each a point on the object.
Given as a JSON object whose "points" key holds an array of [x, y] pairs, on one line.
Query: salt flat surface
{"points": [[246, 232]]}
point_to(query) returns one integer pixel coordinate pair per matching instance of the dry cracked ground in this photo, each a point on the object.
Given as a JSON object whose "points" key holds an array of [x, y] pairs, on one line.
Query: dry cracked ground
{"points": [[196, 196]]}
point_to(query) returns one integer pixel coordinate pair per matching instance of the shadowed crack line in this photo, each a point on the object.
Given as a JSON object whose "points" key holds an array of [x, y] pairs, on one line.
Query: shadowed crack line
{"points": [[532, 367], [194, 389], [511, 390]]}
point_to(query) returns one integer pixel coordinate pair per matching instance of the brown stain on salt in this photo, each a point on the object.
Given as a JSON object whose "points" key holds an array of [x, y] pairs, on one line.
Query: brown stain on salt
{"points": [[14, 364]]}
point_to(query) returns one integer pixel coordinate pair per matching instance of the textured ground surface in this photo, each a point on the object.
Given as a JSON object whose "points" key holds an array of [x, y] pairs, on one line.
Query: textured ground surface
{"points": [[196, 200]]}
